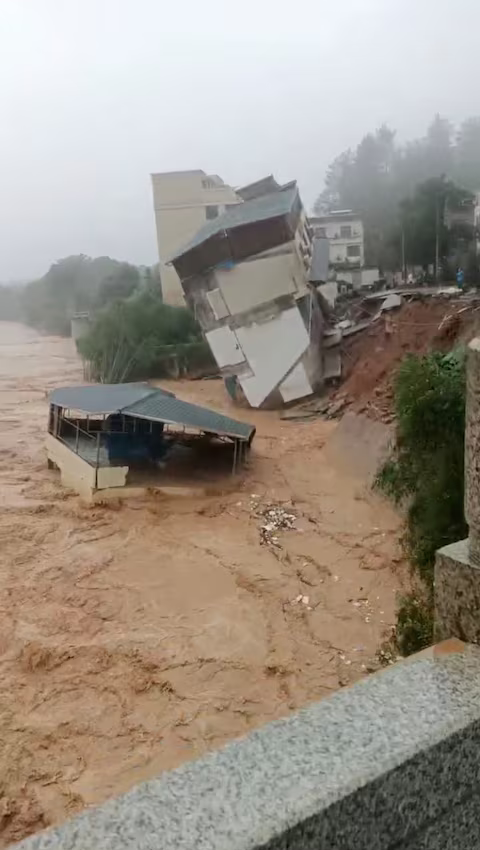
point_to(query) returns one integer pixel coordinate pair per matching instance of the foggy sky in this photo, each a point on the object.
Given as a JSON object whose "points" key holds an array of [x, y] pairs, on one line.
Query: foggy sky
{"points": [[96, 94]]}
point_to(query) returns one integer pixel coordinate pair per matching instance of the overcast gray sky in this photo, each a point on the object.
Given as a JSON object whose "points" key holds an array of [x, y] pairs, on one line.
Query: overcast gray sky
{"points": [[96, 94]]}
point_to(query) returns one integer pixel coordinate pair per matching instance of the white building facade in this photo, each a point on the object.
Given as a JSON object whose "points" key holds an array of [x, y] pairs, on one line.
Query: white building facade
{"points": [[344, 231]]}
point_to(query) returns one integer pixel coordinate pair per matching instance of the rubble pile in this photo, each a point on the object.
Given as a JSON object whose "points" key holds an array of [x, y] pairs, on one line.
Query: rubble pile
{"points": [[370, 358], [276, 519], [371, 355]]}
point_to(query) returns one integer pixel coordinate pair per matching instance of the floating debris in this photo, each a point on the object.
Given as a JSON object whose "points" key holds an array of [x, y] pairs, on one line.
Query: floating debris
{"points": [[277, 519], [302, 600]]}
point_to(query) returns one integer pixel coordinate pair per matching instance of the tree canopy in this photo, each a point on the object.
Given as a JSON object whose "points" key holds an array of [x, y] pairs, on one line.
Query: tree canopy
{"points": [[426, 474], [141, 337], [376, 177], [81, 284]]}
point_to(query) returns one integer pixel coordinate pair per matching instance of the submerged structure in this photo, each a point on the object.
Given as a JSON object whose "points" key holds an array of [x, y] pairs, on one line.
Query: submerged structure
{"points": [[106, 436]]}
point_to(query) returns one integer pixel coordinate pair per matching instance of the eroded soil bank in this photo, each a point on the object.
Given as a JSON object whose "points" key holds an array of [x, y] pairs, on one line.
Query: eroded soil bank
{"points": [[133, 638]]}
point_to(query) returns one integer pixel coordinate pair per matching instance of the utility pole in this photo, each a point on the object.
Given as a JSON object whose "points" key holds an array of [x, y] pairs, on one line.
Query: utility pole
{"points": [[404, 267], [437, 238]]}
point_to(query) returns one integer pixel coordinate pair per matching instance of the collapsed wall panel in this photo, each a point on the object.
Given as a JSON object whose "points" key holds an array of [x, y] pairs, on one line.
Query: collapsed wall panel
{"points": [[272, 349], [296, 384], [225, 347]]}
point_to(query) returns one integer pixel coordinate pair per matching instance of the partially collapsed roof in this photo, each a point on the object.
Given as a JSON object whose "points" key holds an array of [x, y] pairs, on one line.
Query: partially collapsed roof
{"points": [[236, 215], [242, 230], [146, 402]]}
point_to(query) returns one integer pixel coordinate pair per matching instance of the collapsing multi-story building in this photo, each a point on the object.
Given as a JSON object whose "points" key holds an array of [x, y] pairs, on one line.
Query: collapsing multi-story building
{"points": [[245, 275]]}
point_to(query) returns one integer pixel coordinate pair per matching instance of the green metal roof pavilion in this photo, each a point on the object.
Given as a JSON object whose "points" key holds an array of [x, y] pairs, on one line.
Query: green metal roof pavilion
{"points": [[146, 402]]}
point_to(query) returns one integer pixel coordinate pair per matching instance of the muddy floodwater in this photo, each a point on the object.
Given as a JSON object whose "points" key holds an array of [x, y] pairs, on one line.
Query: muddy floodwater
{"points": [[135, 637]]}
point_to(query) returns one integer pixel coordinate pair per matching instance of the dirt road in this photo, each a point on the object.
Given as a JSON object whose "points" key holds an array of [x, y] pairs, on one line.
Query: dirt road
{"points": [[134, 638]]}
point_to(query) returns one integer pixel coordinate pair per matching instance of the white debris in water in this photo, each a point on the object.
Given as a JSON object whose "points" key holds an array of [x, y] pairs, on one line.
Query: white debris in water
{"points": [[301, 599], [277, 519]]}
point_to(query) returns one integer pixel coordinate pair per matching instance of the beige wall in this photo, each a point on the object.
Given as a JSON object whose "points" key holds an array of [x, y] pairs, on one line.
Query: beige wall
{"points": [[175, 226], [180, 199], [79, 475], [111, 476], [190, 188], [258, 281], [172, 291], [75, 473]]}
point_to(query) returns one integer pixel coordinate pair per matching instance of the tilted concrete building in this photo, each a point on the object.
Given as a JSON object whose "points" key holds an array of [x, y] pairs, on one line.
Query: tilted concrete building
{"points": [[245, 275], [183, 201]]}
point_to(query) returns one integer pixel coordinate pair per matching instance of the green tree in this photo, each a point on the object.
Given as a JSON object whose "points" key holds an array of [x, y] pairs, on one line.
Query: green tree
{"points": [[426, 473], [375, 177], [438, 148], [141, 337], [120, 283], [421, 215], [467, 154], [76, 284], [10, 303]]}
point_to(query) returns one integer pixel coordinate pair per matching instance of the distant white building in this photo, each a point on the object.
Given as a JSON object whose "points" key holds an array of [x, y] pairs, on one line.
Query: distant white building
{"points": [[183, 201], [465, 214], [344, 231]]}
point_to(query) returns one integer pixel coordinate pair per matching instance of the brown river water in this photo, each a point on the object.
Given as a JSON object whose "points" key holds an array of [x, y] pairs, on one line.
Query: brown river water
{"points": [[136, 636]]}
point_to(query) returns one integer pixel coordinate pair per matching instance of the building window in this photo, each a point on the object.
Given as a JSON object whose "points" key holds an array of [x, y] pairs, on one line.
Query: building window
{"points": [[345, 231], [208, 183], [353, 250], [212, 211], [321, 232]]}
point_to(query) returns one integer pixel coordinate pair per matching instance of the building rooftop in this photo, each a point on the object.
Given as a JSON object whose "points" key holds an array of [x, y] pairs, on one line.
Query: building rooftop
{"points": [[268, 206], [160, 407], [334, 214], [100, 398]]}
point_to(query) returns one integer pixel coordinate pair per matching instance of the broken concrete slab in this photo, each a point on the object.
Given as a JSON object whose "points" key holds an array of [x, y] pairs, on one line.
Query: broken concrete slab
{"points": [[392, 301]]}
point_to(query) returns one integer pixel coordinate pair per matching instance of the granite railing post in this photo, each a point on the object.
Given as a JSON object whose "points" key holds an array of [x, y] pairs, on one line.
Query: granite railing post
{"points": [[472, 451], [457, 566]]}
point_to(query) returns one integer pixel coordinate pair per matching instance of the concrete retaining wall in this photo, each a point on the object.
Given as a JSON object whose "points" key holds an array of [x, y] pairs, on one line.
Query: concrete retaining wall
{"points": [[358, 446]]}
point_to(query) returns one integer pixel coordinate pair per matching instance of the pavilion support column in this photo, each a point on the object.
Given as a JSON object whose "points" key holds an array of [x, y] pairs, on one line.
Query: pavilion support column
{"points": [[457, 566], [235, 449]]}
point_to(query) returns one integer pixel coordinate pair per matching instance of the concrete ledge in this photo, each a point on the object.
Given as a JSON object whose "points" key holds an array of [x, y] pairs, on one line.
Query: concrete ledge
{"points": [[457, 593], [393, 762]]}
